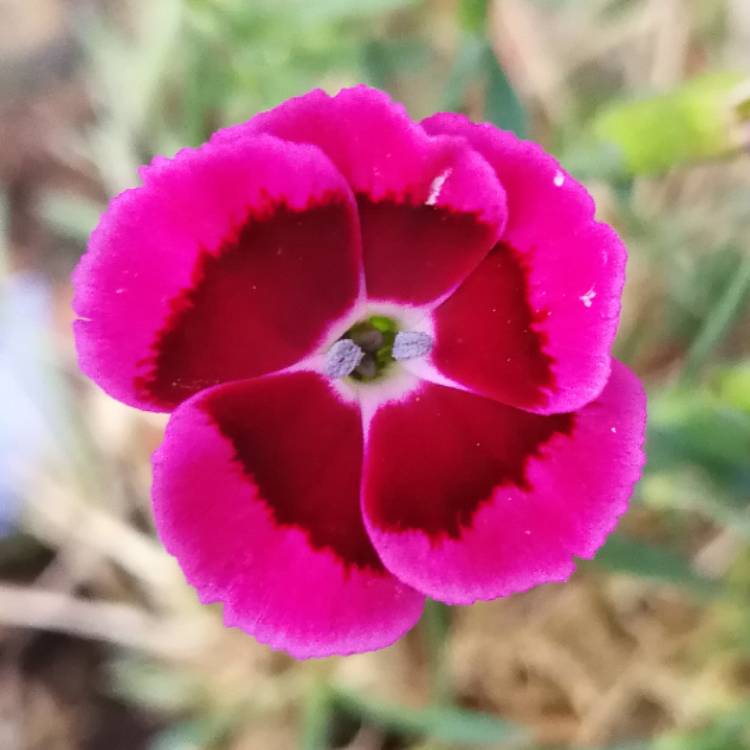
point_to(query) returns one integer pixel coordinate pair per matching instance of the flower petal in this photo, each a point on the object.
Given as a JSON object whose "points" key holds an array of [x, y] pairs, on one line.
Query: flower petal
{"points": [[467, 499], [431, 208], [229, 262], [567, 273], [256, 492]]}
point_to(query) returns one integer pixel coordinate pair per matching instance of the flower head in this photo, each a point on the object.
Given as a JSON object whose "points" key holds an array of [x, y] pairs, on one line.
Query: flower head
{"points": [[386, 347]]}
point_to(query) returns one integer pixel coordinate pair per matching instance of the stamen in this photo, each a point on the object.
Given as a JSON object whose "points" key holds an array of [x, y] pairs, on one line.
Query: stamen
{"points": [[342, 359], [411, 344], [368, 339], [367, 368]]}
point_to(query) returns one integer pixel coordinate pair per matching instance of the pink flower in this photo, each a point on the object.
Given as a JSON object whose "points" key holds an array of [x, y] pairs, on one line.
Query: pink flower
{"points": [[386, 347]]}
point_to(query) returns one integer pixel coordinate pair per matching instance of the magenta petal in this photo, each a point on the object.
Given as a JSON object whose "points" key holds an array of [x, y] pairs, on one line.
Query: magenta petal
{"points": [[572, 271], [231, 261], [431, 207], [467, 499], [256, 492]]}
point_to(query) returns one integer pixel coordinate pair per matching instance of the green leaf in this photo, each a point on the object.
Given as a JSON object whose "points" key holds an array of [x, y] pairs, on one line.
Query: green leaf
{"points": [[475, 62], [334, 10], [660, 132], [727, 309], [690, 427], [467, 68], [317, 718], [732, 386], [502, 105], [728, 731], [385, 60], [473, 14], [589, 159], [435, 625], [377, 62], [190, 735], [622, 554], [451, 725]]}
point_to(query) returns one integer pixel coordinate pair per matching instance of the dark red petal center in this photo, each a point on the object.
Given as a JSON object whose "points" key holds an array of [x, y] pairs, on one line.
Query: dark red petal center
{"points": [[415, 253], [257, 303], [453, 449], [488, 337], [303, 449]]}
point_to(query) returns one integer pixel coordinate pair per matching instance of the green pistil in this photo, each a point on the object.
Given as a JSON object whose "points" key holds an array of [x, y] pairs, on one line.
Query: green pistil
{"points": [[375, 337]]}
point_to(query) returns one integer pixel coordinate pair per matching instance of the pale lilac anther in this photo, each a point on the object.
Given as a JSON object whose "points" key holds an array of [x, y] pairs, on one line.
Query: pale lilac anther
{"points": [[411, 344], [342, 359]]}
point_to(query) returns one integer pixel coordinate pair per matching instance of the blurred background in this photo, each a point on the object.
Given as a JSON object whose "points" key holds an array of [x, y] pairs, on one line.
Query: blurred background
{"points": [[103, 645]]}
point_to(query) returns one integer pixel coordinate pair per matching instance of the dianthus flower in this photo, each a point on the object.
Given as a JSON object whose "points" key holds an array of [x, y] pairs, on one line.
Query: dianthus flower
{"points": [[386, 350]]}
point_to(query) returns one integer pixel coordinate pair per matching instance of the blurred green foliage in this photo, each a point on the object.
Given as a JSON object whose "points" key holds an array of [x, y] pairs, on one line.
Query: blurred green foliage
{"points": [[656, 133], [446, 724]]}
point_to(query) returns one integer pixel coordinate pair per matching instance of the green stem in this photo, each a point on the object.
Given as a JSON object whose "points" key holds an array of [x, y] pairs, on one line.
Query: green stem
{"points": [[719, 320], [435, 626]]}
